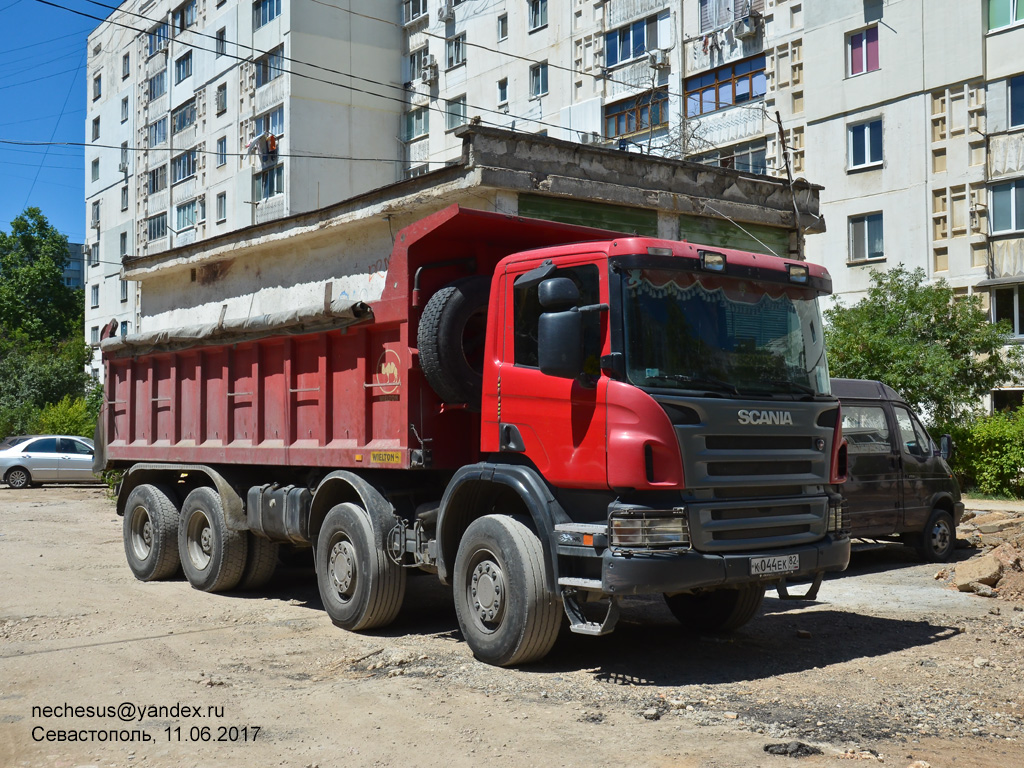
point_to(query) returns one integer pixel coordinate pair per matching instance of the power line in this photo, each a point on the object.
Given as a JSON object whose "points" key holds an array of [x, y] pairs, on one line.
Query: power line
{"points": [[38, 79], [42, 42], [37, 119]]}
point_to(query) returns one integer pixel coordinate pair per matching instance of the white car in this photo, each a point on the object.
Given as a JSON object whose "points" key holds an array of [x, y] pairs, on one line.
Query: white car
{"points": [[37, 459]]}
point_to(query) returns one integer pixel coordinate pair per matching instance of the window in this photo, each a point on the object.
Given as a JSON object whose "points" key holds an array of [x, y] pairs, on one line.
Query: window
{"points": [[94, 296], [866, 429], [503, 27], [538, 14], [222, 151], [126, 66], [222, 206], [1003, 13], [456, 50], [538, 80], [528, 310], [183, 116], [158, 132], [636, 39], [1008, 305], [124, 110], [268, 183], [269, 67], [157, 85], [413, 9], [733, 84], [183, 18], [862, 51], [417, 62], [503, 91], [94, 335], [864, 144], [866, 238], [222, 39], [124, 326], [1008, 207], [271, 122], [914, 440], [715, 14], [157, 39], [95, 128], [417, 123], [640, 113], [97, 87], [185, 216], [1016, 88], [124, 198], [156, 226], [183, 166], [157, 180], [183, 68], [264, 11], [96, 169], [742, 157], [455, 112], [124, 252], [222, 98]]}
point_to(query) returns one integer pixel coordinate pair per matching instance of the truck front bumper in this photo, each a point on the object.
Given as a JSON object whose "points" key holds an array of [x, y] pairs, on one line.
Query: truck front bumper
{"points": [[650, 573]]}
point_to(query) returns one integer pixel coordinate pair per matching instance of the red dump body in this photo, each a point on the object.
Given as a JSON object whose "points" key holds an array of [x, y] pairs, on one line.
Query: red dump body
{"points": [[344, 397]]}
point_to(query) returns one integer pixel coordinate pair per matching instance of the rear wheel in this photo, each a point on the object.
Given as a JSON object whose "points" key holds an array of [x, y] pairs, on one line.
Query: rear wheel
{"points": [[150, 533], [505, 611], [361, 587], [936, 542], [719, 610], [212, 555], [260, 563], [18, 478]]}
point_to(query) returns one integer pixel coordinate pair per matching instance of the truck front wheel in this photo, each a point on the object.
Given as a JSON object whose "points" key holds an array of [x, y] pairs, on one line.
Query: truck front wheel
{"points": [[150, 533], [505, 611], [212, 555], [719, 610], [361, 587]]}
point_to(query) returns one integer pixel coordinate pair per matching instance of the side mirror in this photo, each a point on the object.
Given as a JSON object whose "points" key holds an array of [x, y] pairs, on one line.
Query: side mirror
{"points": [[946, 447], [560, 343], [558, 294]]}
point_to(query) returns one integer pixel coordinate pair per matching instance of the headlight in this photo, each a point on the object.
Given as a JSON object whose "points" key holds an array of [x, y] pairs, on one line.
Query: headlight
{"points": [[650, 529]]}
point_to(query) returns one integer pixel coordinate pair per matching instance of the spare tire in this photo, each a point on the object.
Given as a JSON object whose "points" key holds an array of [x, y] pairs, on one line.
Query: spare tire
{"points": [[451, 340]]}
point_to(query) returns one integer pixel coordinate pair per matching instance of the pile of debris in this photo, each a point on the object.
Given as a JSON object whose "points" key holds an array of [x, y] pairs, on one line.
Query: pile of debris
{"points": [[997, 570]]}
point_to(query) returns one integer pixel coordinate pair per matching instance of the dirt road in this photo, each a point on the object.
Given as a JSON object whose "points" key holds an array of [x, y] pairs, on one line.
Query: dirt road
{"points": [[888, 667]]}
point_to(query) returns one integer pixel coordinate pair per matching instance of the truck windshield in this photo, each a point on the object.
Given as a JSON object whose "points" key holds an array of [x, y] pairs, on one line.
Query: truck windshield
{"points": [[720, 334]]}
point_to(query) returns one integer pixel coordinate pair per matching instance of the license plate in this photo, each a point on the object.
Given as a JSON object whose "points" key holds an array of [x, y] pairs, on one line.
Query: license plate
{"points": [[762, 566]]}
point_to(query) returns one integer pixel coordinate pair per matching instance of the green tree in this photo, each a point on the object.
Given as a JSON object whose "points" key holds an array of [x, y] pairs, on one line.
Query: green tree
{"points": [[941, 353]]}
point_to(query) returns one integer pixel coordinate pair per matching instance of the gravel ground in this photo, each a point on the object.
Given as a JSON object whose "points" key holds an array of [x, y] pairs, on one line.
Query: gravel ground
{"points": [[890, 666]]}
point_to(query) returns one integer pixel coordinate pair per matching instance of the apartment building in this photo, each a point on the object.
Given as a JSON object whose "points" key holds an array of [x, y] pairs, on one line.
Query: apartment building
{"points": [[208, 116]]}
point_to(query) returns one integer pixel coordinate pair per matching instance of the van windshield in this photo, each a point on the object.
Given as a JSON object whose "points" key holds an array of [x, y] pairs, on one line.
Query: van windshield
{"points": [[720, 334]]}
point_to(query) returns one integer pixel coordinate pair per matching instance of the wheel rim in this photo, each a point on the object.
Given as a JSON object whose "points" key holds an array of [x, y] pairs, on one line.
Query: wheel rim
{"points": [[141, 533], [199, 535], [18, 478], [342, 569], [485, 592], [941, 536]]}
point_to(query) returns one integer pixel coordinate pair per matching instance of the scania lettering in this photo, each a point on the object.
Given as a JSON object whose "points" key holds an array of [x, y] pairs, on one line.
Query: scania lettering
{"points": [[549, 418]]}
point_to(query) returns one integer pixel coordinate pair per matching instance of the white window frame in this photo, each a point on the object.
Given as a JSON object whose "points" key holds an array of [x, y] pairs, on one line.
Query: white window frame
{"points": [[94, 295], [97, 87], [270, 67], [156, 227], [157, 132], [183, 68], [159, 79], [271, 121], [185, 215], [96, 169], [126, 66], [539, 80], [1015, 98], [124, 198], [1016, 321], [413, 9], [124, 285], [1015, 188], [455, 51], [222, 206], [272, 178], [417, 123], [455, 112], [503, 91], [183, 166], [868, 127], [221, 40], [95, 129], [503, 27], [183, 117], [156, 179], [221, 99], [124, 110], [157, 38], [537, 14], [264, 12], [864, 220], [222, 151]]}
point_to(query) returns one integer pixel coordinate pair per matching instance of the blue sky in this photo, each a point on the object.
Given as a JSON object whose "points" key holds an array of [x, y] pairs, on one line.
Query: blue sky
{"points": [[42, 98]]}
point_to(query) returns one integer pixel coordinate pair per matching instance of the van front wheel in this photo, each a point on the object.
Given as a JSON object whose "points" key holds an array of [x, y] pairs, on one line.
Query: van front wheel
{"points": [[936, 542]]}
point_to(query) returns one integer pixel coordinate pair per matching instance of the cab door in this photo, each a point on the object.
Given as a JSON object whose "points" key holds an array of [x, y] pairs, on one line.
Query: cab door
{"points": [[916, 454], [873, 488], [559, 424]]}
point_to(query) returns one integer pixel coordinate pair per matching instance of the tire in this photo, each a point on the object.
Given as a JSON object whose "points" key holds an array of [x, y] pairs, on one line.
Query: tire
{"points": [[505, 611], [212, 556], [260, 563], [719, 610], [935, 544], [18, 478], [451, 340], [361, 587], [150, 533]]}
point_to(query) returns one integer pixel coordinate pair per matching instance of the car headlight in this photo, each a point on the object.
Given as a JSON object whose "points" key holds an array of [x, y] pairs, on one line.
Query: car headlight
{"points": [[650, 529]]}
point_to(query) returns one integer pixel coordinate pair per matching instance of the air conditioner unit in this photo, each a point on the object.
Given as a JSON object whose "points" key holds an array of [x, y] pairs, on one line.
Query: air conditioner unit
{"points": [[122, 168], [446, 12], [586, 138], [658, 59], [745, 28], [428, 73]]}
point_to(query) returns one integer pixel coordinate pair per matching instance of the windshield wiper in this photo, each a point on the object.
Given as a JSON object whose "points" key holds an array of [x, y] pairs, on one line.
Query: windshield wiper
{"points": [[793, 385], [698, 382]]}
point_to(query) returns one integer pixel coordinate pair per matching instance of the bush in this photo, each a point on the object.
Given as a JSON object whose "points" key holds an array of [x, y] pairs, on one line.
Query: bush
{"points": [[989, 456], [70, 416]]}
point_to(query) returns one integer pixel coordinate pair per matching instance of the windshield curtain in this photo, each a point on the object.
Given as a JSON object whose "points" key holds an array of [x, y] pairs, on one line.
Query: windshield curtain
{"points": [[712, 333]]}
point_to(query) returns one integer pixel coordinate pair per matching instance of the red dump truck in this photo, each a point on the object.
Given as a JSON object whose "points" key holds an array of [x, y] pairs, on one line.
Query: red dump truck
{"points": [[547, 417]]}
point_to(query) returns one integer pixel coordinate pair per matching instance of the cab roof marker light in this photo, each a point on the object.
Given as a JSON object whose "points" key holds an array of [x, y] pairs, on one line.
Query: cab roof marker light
{"points": [[658, 251], [798, 273], [712, 261]]}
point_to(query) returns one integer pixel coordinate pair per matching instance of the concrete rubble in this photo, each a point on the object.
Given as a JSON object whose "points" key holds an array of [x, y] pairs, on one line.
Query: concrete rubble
{"points": [[995, 530]]}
